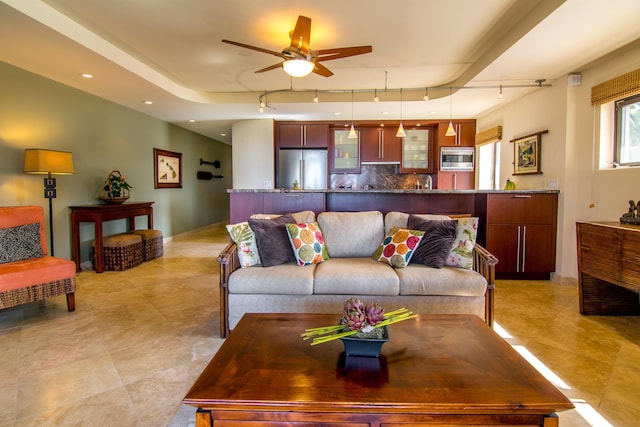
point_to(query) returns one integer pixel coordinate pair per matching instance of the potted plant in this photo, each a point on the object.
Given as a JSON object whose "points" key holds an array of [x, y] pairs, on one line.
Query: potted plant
{"points": [[115, 188]]}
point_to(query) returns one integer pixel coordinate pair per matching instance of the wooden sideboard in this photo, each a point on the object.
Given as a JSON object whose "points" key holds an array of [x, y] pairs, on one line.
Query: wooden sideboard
{"points": [[608, 268]]}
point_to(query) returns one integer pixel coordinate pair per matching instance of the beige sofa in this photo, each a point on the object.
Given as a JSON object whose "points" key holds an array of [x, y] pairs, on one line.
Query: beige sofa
{"points": [[351, 238]]}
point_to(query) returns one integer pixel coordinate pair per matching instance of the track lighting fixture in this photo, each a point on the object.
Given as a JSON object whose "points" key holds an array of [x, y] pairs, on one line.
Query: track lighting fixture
{"points": [[315, 98], [500, 93], [375, 95], [426, 94]]}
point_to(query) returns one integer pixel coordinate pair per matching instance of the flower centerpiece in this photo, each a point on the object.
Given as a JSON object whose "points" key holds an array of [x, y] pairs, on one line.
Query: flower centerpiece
{"points": [[362, 327], [115, 188]]}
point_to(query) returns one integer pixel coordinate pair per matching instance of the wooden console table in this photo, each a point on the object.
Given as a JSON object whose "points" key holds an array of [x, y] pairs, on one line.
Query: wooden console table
{"points": [[609, 268], [98, 214]]}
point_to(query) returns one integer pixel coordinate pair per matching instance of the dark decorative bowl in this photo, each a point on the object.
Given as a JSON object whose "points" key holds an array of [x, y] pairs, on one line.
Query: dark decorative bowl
{"points": [[365, 347]]}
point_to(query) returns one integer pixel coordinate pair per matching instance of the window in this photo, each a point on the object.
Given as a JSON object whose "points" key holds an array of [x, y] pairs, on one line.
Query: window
{"points": [[489, 166], [627, 118]]}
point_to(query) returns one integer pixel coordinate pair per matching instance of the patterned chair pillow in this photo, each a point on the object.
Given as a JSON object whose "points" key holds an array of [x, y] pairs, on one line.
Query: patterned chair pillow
{"points": [[20, 243]]}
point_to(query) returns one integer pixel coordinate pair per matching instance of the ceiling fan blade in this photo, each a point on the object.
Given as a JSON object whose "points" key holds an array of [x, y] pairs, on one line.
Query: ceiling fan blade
{"points": [[271, 67], [259, 49], [322, 70], [341, 52], [301, 36]]}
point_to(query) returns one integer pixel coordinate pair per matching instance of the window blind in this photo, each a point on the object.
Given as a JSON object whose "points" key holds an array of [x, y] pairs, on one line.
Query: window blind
{"points": [[617, 88], [488, 136]]}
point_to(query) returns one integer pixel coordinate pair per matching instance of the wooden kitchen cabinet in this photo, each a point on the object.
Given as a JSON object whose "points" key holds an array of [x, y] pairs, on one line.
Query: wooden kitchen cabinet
{"points": [[344, 153], [521, 233], [465, 133], [456, 180], [303, 135], [380, 144], [419, 150]]}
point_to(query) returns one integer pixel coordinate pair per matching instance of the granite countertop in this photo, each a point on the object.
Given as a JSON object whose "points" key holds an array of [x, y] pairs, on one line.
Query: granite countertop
{"points": [[391, 191]]}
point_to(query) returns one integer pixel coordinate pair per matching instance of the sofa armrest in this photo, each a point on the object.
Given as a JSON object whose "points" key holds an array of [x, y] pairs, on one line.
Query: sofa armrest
{"points": [[484, 262], [229, 262]]}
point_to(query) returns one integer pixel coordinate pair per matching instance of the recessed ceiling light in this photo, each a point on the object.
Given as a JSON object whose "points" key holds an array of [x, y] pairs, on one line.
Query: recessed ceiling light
{"points": [[87, 75], [337, 113], [223, 134], [148, 102], [384, 113], [191, 121]]}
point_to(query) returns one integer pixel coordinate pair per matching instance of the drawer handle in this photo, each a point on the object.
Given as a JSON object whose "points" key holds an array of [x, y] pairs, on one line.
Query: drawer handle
{"points": [[522, 196]]}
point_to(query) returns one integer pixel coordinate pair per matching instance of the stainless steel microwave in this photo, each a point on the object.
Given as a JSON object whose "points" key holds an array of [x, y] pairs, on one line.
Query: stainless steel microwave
{"points": [[457, 158]]}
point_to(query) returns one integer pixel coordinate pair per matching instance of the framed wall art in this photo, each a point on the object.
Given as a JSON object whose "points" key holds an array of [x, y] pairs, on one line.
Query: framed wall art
{"points": [[167, 167], [526, 154]]}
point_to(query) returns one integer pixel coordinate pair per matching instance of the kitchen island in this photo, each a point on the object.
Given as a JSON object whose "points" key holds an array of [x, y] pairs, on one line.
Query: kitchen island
{"points": [[518, 226]]}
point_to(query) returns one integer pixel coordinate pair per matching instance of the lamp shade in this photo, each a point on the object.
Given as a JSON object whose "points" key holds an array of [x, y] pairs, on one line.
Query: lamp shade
{"points": [[48, 161], [298, 67]]}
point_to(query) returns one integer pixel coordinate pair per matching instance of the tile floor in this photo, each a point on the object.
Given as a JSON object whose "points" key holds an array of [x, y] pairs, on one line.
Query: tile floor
{"points": [[139, 338]]}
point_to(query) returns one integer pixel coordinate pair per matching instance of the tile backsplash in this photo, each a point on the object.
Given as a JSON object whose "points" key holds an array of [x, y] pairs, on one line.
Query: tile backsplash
{"points": [[378, 177]]}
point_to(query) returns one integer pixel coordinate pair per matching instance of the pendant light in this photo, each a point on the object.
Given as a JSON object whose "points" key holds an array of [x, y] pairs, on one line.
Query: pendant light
{"points": [[450, 130], [352, 131], [375, 95], [401, 133], [426, 94], [315, 98]]}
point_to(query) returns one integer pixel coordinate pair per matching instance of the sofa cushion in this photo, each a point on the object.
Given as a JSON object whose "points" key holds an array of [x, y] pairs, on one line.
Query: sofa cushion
{"points": [[283, 279], [20, 242], [244, 237], [436, 242], [422, 280], [273, 242], [355, 276], [461, 254], [398, 247], [400, 219], [351, 234], [307, 243]]}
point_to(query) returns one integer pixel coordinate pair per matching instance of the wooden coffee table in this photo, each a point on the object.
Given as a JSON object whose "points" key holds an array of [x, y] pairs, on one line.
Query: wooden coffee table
{"points": [[448, 370]]}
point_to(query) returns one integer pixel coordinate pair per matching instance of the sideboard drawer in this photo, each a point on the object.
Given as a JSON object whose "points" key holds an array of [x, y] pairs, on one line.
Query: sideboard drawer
{"points": [[599, 249]]}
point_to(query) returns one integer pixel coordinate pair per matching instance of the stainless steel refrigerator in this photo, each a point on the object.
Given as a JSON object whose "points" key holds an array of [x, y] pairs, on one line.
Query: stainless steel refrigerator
{"points": [[308, 167]]}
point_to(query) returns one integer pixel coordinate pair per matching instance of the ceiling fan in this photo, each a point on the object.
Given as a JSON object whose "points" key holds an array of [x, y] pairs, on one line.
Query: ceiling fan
{"points": [[299, 59]]}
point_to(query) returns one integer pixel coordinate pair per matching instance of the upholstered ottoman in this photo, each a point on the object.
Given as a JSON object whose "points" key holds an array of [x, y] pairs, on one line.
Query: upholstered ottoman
{"points": [[120, 252], [151, 243]]}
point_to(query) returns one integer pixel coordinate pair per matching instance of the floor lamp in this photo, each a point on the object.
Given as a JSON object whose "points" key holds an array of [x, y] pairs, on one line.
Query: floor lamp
{"points": [[49, 162]]}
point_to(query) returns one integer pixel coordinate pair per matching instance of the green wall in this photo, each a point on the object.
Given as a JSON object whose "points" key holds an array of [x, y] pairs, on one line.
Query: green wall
{"points": [[36, 112]]}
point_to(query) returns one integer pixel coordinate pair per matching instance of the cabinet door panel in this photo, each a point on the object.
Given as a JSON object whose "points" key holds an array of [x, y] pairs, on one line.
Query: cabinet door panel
{"points": [[521, 208], [456, 180], [502, 241], [299, 135], [538, 250]]}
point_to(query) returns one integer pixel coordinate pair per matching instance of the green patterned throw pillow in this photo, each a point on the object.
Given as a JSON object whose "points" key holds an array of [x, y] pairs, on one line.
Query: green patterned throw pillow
{"points": [[243, 236], [461, 253], [307, 243]]}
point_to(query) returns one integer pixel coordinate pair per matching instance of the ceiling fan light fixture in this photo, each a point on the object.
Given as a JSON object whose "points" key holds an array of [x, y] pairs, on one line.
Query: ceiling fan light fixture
{"points": [[298, 67]]}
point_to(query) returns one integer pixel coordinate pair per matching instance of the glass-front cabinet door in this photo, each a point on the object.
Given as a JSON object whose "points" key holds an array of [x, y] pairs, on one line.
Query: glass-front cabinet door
{"points": [[344, 152], [416, 149]]}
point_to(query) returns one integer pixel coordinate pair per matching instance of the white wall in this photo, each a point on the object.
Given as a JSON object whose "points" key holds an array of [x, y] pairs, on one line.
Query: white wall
{"points": [[569, 153], [253, 155]]}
